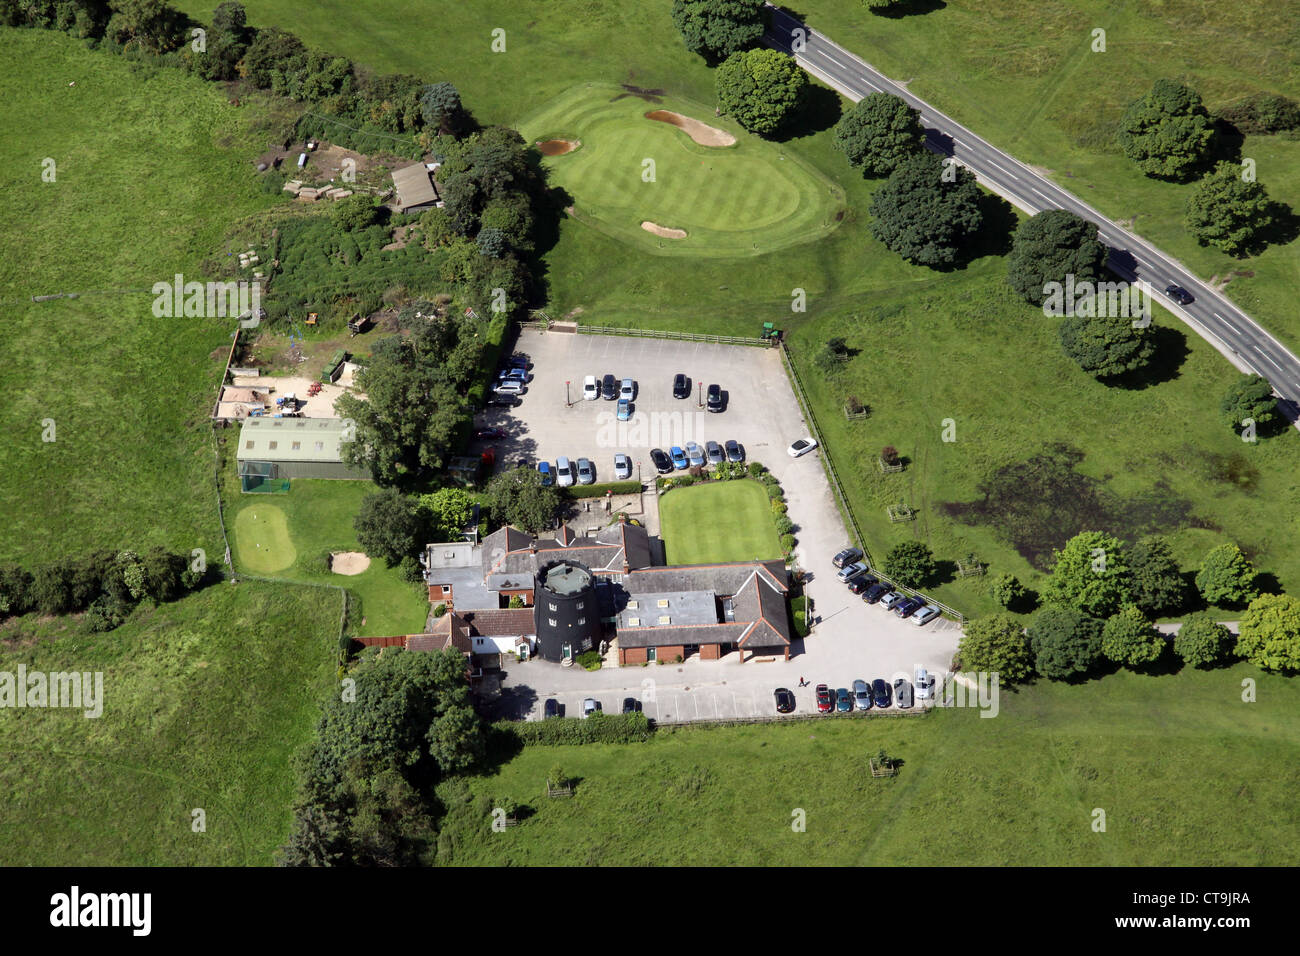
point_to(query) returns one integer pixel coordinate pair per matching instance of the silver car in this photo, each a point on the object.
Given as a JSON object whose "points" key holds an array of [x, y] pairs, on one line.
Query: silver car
{"points": [[925, 615], [586, 471], [563, 472], [861, 695], [627, 390], [622, 467], [714, 451]]}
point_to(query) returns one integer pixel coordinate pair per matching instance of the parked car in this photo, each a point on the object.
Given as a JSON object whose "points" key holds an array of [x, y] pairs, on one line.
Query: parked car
{"points": [[681, 386], [843, 701], [679, 458], [548, 476], [609, 388], [924, 684], [695, 453], [622, 467], [734, 451], [861, 695], [631, 705], [624, 409], [801, 447], [874, 593], [591, 706], [714, 400], [908, 607], [852, 570], [590, 388], [502, 400], [512, 375], [903, 692], [784, 700], [881, 693], [510, 387], [859, 584], [847, 556], [663, 464], [714, 453], [627, 391], [519, 360], [552, 708], [926, 615], [490, 433], [892, 600], [1179, 294], [825, 704], [586, 471], [563, 472]]}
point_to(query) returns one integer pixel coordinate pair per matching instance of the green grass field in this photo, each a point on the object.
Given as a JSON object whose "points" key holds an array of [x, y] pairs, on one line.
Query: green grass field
{"points": [[1186, 773], [205, 701], [718, 521], [731, 201]]}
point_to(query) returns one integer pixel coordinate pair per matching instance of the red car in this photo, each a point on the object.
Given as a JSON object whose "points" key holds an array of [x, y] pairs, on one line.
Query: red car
{"points": [[825, 700]]}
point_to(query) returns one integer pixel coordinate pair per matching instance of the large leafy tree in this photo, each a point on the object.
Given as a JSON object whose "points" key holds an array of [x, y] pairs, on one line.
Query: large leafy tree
{"points": [[1202, 641], [1167, 132], [878, 132], [1156, 578], [389, 526], [910, 564], [761, 89], [1128, 638], [446, 511], [1092, 574], [149, 25], [1250, 396], [1269, 635], [1226, 576], [518, 497], [996, 644], [1065, 642], [1048, 247], [1229, 212], [1007, 591], [716, 29], [441, 108], [1104, 346], [926, 211]]}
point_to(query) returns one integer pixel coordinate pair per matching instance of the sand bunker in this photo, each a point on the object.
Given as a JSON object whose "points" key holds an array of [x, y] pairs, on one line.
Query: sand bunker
{"points": [[557, 147], [348, 562], [663, 231], [702, 133]]}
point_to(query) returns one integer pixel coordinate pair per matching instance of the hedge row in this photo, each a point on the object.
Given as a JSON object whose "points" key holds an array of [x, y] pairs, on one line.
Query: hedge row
{"points": [[596, 729], [598, 490]]}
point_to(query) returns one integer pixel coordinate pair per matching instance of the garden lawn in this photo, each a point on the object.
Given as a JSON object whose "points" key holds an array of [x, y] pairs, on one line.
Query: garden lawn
{"points": [[718, 521], [1186, 773], [205, 701]]}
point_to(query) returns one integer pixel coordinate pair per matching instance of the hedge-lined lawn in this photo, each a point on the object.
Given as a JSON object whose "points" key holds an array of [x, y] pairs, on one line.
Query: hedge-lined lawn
{"points": [[1186, 773], [731, 201], [718, 521], [205, 701], [316, 516]]}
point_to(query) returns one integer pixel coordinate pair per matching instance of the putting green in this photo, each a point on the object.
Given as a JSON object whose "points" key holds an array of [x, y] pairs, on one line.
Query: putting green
{"points": [[262, 542], [739, 200]]}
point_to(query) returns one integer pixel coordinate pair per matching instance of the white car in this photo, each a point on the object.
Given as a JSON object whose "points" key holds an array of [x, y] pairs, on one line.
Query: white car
{"points": [[627, 390], [510, 387], [563, 472], [924, 684], [802, 447], [590, 706], [622, 467], [590, 388]]}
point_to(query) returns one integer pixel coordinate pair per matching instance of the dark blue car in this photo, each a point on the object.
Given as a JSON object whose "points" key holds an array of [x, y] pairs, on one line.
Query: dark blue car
{"points": [[881, 692], [909, 607]]}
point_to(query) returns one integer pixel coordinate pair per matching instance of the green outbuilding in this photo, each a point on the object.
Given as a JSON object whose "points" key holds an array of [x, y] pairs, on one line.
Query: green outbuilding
{"points": [[283, 448]]}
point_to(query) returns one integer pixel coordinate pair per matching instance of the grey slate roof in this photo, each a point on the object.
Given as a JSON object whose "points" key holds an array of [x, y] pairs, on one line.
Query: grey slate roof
{"points": [[722, 579], [688, 634]]}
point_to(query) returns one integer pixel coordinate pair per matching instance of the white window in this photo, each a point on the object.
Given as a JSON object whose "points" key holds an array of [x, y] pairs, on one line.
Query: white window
{"points": [[582, 620], [553, 607], [551, 621]]}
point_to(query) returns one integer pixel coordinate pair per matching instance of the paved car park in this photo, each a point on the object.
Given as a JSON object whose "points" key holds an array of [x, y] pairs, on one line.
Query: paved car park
{"points": [[850, 639]]}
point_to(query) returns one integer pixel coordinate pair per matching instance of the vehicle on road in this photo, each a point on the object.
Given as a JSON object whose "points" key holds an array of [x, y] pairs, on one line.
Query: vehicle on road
{"points": [[734, 451], [874, 593], [488, 433], [784, 700], [590, 388], [903, 692], [519, 360], [714, 400], [552, 708], [908, 607], [512, 375], [714, 453], [861, 695], [924, 684], [586, 471], [860, 583], [622, 467], [510, 387], [563, 472], [852, 570], [591, 706], [679, 458], [843, 701], [681, 386], [548, 475], [847, 556], [801, 447], [892, 600], [825, 703], [609, 388], [695, 453], [624, 409], [1179, 294], [926, 615], [881, 692], [663, 464], [627, 391]]}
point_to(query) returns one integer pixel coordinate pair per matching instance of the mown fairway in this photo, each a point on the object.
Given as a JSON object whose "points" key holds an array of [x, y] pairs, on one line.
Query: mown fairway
{"points": [[205, 702], [736, 200], [718, 521], [1186, 773]]}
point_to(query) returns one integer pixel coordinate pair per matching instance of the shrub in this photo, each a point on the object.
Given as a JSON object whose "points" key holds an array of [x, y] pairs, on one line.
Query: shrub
{"points": [[910, 564], [1007, 590], [774, 492], [410, 570], [756, 469], [589, 660], [321, 562], [778, 506], [787, 543], [439, 610], [106, 613], [598, 490], [1202, 641], [783, 524], [559, 731], [1128, 638]]}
